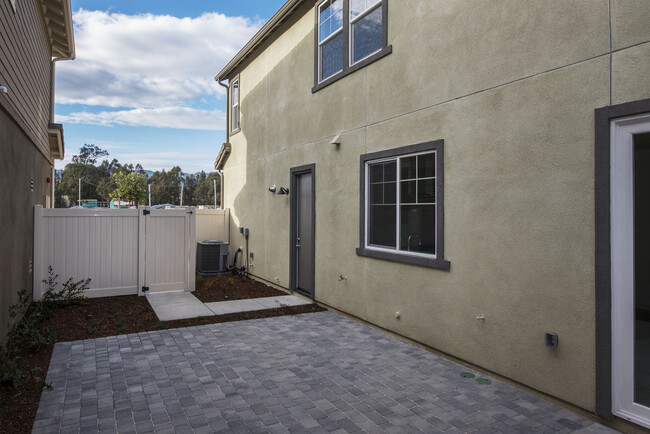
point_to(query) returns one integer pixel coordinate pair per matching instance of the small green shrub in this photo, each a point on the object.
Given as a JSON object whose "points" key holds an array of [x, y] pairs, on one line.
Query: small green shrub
{"points": [[121, 327], [70, 293], [10, 369], [26, 325]]}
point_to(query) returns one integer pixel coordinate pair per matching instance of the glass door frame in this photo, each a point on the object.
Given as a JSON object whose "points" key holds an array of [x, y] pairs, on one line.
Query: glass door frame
{"points": [[622, 266]]}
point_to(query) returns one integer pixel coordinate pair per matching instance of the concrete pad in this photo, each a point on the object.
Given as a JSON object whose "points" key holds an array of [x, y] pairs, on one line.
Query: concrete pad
{"points": [[235, 306], [174, 305], [283, 300]]}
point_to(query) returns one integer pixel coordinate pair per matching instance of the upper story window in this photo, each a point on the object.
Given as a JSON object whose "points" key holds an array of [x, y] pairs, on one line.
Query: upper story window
{"points": [[234, 106], [365, 28], [330, 39], [350, 34]]}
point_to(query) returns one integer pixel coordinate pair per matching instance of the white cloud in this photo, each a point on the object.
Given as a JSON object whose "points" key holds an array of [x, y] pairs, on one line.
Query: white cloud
{"points": [[161, 117], [139, 61]]}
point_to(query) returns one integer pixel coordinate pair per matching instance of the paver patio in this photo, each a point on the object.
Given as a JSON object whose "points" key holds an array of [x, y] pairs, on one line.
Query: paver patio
{"points": [[317, 372]]}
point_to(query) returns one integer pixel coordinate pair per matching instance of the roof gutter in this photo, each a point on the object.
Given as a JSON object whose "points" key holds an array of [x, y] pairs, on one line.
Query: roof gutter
{"points": [[278, 18]]}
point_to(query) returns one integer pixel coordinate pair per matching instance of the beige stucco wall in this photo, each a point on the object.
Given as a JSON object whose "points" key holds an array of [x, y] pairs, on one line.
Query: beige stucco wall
{"points": [[511, 87]]}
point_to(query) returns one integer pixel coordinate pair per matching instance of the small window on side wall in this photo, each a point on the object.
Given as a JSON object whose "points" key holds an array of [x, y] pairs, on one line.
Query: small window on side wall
{"points": [[402, 211], [13, 4], [350, 34], [234, 106]]}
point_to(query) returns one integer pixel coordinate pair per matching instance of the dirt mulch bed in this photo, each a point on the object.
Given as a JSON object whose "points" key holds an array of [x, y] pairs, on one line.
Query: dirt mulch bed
{"points": [[225, 287], [111, 316]]}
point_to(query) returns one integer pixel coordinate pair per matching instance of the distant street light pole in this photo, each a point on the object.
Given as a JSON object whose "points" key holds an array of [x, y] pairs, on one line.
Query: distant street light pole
{"points": [[149, 185], [79, 191], [182, 195]]}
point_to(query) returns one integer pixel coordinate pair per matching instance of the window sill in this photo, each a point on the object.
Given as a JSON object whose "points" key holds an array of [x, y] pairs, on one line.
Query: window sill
{"points": [[361, 64], [235, 131], [440, 264]]}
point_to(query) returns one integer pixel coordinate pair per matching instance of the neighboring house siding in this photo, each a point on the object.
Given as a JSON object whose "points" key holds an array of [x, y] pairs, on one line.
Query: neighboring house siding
{"points": [[25, 163], [25, 69], [511, 87], [21, 162]]}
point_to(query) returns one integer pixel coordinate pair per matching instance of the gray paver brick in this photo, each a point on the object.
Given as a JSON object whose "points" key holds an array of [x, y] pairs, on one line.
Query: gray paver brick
{"points": [[316, 372]]}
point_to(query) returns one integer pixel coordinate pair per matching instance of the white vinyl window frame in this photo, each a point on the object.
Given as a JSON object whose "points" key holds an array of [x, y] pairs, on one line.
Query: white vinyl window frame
{"points": [[353, 21], [436, 260], [398, 204], [321, 43], [235, 111]]}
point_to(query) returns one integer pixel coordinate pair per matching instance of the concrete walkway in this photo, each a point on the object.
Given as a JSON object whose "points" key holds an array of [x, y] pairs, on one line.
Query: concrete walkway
{"points": [[317, 372], [173, 305]]}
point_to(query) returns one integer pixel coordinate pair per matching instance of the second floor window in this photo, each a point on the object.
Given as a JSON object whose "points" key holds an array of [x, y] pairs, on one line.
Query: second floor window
{"points": [[234, 106], [365, 28], [350, 34], [330, 38]]}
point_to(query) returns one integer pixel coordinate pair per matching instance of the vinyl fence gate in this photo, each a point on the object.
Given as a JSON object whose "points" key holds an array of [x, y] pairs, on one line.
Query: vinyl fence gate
{"points": [[130, 251]]}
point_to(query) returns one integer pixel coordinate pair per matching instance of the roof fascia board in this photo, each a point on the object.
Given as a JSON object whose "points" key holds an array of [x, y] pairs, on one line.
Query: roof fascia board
{"points": [[278, 18]]}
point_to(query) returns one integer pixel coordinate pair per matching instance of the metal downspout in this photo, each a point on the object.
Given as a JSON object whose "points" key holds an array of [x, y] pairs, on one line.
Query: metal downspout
{"points": [[220, 172]]}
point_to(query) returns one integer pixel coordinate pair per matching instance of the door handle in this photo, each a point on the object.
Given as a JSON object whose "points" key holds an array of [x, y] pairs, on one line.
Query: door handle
{"points": [[298, 242]]}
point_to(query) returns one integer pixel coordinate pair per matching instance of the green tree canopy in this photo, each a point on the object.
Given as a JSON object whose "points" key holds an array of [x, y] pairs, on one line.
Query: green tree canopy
{"points": [[89, 154], [130, 187], [99, 181]]}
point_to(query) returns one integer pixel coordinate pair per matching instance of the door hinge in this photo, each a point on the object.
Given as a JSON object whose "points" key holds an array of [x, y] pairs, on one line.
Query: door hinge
{"points": [[145, 288], [146, 212]]}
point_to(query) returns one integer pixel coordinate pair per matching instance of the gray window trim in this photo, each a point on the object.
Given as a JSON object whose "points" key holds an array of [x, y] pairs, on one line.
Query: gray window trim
{"points": [[230, 106], [603, 265], [437, 262], [347, 67]]}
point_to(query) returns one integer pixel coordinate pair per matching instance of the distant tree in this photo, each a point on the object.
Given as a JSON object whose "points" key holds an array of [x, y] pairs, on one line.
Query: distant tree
{"points": [[166, 186], [204, 192], [89, 154], [130, 187], [69, 186], [189, 190]]}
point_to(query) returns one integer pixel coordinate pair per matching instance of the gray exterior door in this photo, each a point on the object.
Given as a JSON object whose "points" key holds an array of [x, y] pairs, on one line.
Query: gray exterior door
{"points": [[302, 230]]}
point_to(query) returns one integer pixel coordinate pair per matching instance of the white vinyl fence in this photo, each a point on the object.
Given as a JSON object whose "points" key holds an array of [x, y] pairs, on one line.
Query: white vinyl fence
{"points": [[123, 252], [212, 224]]}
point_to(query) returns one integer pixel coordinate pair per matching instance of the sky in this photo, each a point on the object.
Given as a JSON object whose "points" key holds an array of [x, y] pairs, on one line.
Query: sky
{"points": [[142, 86]]}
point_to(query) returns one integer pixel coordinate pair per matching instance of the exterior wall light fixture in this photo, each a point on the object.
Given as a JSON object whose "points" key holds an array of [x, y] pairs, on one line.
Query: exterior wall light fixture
{"points": [[3, 89], [283, 191], [272, 189], [336, 140]]}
